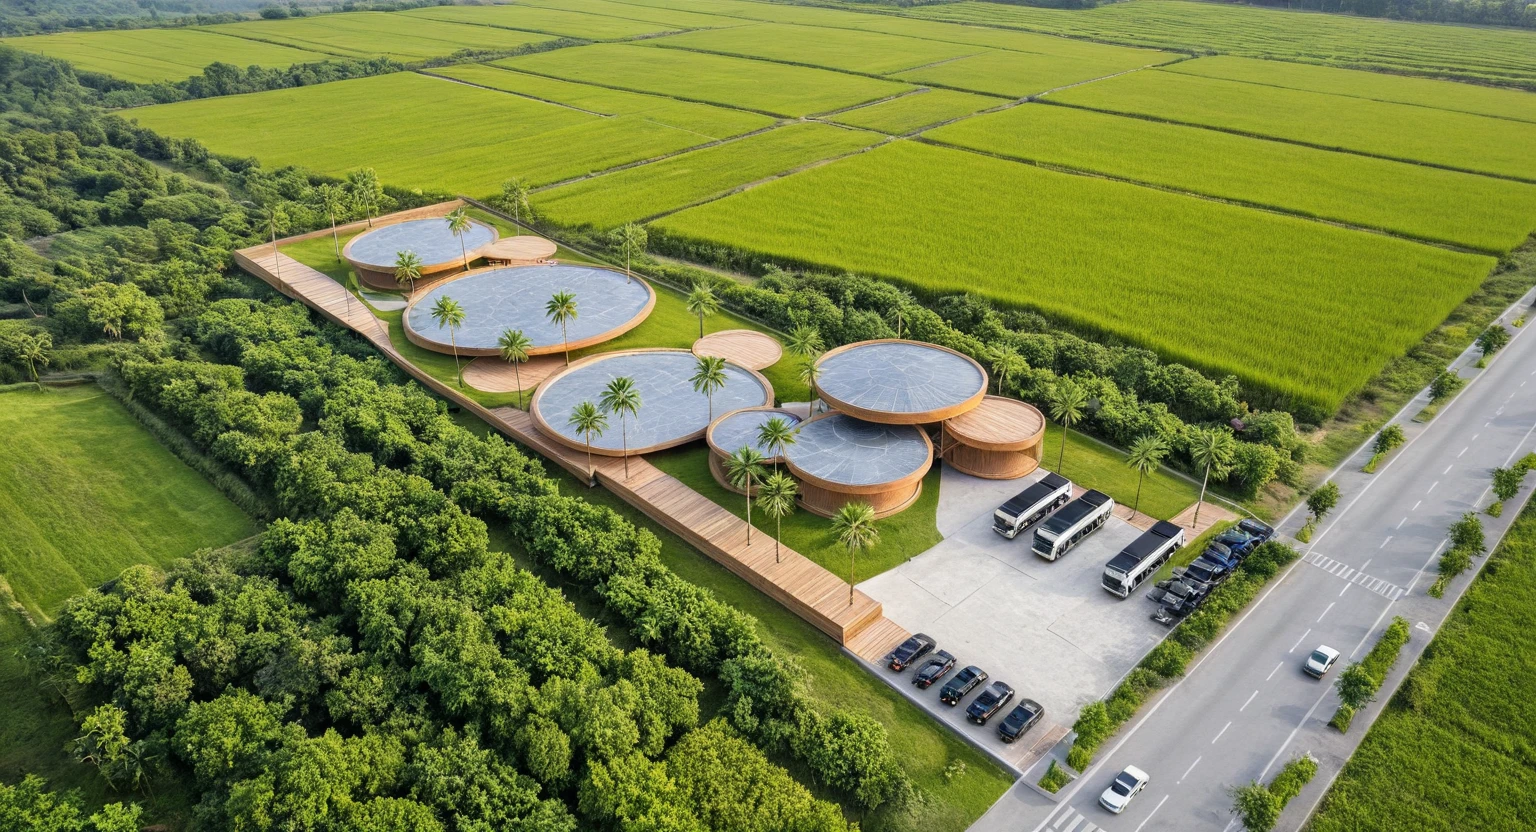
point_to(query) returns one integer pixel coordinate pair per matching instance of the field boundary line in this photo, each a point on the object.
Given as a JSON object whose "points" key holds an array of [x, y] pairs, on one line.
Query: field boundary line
{"points": [[449, 78], [768, 113], [664, 156], [667, 30], [307, 47]]}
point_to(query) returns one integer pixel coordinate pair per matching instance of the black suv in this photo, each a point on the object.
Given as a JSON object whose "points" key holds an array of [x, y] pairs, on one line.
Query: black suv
{"points": [[910, 651], [1260, 531], [964, 682], [989, 703], [1022, 718], [934, 669]]}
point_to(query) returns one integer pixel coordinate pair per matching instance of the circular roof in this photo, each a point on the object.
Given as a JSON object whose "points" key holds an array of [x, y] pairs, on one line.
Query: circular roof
{"points": [[513, 297], [429, 238], [739, 429], [746, 347], [671, 413], [840, 450], [900, 382], [521, 247], [998, 424]]}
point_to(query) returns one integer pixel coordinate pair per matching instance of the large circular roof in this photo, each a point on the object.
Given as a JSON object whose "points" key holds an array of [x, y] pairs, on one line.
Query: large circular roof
{"points": [[429, 238], [671, 412], [900, 382], [513, 297], [999, 424], [839, 450], [739, 429]]}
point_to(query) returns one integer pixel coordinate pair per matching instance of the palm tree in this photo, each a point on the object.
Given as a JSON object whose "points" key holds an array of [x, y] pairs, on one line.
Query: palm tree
{"points": [[631, 240], [560, 309], [805, 341], [1210, 448], [702, 303], [854, 525], [366, 191], [458, 224], [1146, 454], [514, 199], [622, 397], [1067, 404], [514, 348], [447, 312], [274, 218], [589, 421], [777, 497], [776, 435], [709, 376], [408, 268], [333, 200], [744, 468], [1006, 361], [897, 314], [808, 374], [33, 349]]}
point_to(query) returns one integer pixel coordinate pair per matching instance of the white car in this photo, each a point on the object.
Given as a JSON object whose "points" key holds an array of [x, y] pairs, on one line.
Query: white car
{"points": [[1127, 785], [1321, 661]]}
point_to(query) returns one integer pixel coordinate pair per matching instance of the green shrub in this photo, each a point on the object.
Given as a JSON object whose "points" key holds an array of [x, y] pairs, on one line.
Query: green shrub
{"points": [[1390, 438], [1304, 534], [1495, 509], [1255, 806], [1293, 778], [1370, 466], [1445, 385], [1054, 778], [1167, 660], [1341, 718], [1080, 757], [1506, 482]]}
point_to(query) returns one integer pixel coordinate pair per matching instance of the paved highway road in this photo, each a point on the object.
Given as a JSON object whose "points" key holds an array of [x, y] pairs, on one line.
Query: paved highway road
{"points": [[1245, 708]]}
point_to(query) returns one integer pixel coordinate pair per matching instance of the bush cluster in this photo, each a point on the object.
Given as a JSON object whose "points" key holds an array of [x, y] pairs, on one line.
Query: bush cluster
{"points": [[1259, 806], [1467, 542], [1358, 683]]}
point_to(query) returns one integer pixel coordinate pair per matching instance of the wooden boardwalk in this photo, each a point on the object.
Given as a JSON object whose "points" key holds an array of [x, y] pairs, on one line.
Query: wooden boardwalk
{"points": [[797, 582]]}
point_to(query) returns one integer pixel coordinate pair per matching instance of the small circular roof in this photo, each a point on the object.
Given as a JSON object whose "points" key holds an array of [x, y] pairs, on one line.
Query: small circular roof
{"points": [[838, 450], [738, 429], [521, 247], [746, 347], [998, 424], [429, 238], [671, 412], [513, 297], [900, 382]]}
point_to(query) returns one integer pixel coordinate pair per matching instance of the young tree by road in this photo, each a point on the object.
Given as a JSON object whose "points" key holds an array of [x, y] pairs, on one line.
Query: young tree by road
{"points": [[514, 200], [1067, 403], [458, 224], [1212, 448], [631, 240], [1006, 361]]}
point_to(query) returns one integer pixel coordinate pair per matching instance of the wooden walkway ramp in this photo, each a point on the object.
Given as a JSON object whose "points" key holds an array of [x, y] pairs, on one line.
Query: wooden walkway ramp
{"points": [[797, 582]]}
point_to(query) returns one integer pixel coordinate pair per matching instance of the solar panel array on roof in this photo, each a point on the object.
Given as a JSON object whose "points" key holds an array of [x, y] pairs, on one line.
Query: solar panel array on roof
{"points": [[1073, 513], [1032, 495], [899, 377], [430, 239], [1146, 544]]}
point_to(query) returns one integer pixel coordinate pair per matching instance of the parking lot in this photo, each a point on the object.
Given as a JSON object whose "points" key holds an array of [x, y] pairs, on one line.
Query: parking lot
{"points": [[1046, 628]]}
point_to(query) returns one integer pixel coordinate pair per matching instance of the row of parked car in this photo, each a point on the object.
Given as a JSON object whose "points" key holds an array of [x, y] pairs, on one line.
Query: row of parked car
{"points": [[1190, 585], [935, 665]]}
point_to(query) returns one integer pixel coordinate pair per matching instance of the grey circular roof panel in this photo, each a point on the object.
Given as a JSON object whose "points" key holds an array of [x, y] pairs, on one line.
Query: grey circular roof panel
{"points": [[899, 377], [497, 300], [429, 238], [842, 449], [739, 430]]}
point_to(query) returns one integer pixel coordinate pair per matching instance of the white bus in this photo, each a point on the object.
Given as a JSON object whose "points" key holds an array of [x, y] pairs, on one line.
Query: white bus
{"points": [[1027, 507], [1142, 557], [1075, 521]]}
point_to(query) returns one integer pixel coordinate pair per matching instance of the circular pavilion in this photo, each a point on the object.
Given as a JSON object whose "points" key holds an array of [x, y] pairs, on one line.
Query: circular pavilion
{"points": [[898, 382], [373, 253], [999, 439], [746, 347], [524, 248], [671, 412], [738, 429], [500, 298], [840, 459]]}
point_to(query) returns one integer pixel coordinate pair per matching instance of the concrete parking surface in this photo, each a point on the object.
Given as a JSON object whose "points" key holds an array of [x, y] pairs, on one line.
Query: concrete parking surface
{"points": [[1046, 628]]}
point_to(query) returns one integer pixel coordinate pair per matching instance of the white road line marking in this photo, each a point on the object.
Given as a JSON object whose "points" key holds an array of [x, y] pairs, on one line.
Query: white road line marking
{"points": [[1325, 612], [1222, 731], [1447, 469], [1344, 590], [1432, 486], [1400, 523], [1298, 643], [1416, 505], [1188, 770], [1278, 666], [1249, 702], [1475, 435], [1463, 450], [1346, 573], [1367, 563], [1063, 818], [1151, 813], [1074, 824], [1385, 542]]}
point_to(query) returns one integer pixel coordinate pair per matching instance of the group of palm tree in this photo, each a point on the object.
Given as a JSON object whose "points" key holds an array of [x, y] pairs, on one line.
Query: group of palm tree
{"points": [[805, 341]]}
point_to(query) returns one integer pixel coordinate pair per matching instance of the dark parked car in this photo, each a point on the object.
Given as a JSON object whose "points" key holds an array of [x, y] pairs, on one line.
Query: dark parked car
{"points": [[991, 700], [1239, 541], [1220, 554], [1203, 572], [934, 669], [964, 682], [1022, 718], [1178, 592], [910, 651], [1260, 531]]}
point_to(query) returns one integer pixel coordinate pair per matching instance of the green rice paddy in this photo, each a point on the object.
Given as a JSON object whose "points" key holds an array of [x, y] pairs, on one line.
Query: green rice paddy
{"points": [[908, 113], [560, 22], [147, 56], [847, 49], [1017, 74], [380, 34]]}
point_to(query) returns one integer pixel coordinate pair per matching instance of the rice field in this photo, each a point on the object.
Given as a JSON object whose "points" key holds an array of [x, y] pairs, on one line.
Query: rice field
{"points": [[677, 16], [148, 56], [909, 113], [1367, 43], [1434, 204], [847, 49], [379, 34], [1425, 92], [775, 89], [479, 137], [648, 190], [559, 22], [1020, 74], [1307, 310], [705, 119], [1399, 131]]}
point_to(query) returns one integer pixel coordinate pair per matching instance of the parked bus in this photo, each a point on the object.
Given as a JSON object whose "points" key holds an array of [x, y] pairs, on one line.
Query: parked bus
{"points": [[1140, 560], [1027, 507], [1076, 520]]}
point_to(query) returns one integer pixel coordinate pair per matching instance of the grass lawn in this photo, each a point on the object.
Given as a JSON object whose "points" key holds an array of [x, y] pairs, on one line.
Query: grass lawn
{"points": [[86, 492], [1093, 464]]}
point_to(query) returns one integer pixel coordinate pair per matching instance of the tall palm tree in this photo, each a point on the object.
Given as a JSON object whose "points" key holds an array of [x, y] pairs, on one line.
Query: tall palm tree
{"points": [[776, 435], [447, 312], [514, 348], [560, 309], [458, 224], [1006, 361], [366, 191], [805, 341], [709, 376], [33, 349], [897, 314], [1210, 448], [854, 525], [333, 200], [702, 303], [622, 397], [1146, 454], [590, 422], [1067, 403], [809, 372], [408, 268], [744, 468], [274, 218], [631, 240], [514, 199], [776, 496]]}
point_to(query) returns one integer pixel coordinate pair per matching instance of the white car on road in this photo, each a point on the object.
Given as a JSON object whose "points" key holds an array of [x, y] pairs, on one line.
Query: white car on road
{"points": [[1321, 661], [1127, 785]]}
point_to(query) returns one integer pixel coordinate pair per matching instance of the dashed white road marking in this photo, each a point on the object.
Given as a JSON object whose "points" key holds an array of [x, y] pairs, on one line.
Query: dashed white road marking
{"points": [[1432, 486], [1188, 770], [1400, 523], [1222, 731], [1325, 612], [1388, 540], [1463, 450], [1416, 505], [1249, 702], [1298, 643], [1151, 813], [1447, 469], [1280, 665]]}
